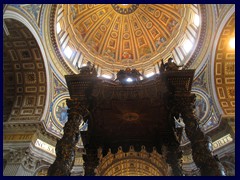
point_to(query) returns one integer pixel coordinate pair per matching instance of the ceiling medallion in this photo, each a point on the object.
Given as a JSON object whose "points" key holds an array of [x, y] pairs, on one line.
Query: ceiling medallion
{"points": [[125, 8]]}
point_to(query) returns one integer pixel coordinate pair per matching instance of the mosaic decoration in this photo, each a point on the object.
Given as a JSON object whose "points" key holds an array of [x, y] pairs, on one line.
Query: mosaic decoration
{"points": [[33, 10], [201, 107], [203, 104], [201, 81], [61, 112], [58, 87], [211, 123], [53, 128]]}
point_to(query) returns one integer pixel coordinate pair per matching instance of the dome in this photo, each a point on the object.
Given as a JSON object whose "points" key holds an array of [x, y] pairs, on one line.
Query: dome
{"points": [[117, 36], [42, 43]]}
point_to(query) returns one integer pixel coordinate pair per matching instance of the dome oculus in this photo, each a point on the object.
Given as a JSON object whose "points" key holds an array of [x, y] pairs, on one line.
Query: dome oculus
{"points": [[125, 8]]}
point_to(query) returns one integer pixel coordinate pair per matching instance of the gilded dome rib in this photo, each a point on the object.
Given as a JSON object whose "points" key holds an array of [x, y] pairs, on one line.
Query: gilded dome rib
{"points": [[138, 38]]}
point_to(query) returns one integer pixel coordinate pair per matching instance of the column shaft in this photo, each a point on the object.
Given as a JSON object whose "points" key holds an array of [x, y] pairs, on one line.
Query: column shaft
{"points": [[201, 144], [65, 147]]}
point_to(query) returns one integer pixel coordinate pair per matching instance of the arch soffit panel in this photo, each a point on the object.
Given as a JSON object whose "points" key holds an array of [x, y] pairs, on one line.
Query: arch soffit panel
{"points": [[20, 17], [212, 63]]}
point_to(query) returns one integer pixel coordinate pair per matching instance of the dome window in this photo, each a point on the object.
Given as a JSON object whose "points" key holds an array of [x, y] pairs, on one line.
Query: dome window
{"points": [[58, 28], [196, 20], [187, 45], [68, 52]]}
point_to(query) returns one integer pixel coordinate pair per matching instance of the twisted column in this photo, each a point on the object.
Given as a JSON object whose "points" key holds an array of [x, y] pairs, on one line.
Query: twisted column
{"points": [[171, 148], [173, 157], [65, 147], [201, 144], [90, 161]]}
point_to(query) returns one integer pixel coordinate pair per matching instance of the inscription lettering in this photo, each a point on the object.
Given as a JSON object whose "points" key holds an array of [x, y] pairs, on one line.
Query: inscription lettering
{"points": [[222, 141], [45, 146]]}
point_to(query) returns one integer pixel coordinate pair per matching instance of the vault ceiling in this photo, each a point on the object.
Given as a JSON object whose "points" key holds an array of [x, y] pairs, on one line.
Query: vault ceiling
{"points": [[224, 70], [24, 75]]}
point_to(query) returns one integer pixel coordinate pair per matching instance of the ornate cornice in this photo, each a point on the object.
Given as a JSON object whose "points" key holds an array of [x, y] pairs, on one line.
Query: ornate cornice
{"points": [[13, 128], [53, 38]]}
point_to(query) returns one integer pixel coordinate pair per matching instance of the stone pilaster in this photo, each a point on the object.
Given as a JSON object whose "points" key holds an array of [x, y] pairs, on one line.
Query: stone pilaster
{"points": [[21, 162]]}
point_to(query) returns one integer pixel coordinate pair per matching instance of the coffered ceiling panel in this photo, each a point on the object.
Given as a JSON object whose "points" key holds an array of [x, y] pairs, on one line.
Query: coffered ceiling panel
{"points": [[23, 74], [224, 68], [124, 34]]}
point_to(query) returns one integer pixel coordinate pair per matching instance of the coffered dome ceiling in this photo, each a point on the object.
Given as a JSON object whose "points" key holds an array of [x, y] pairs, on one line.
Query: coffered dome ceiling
{"points": [[115, 36]]}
